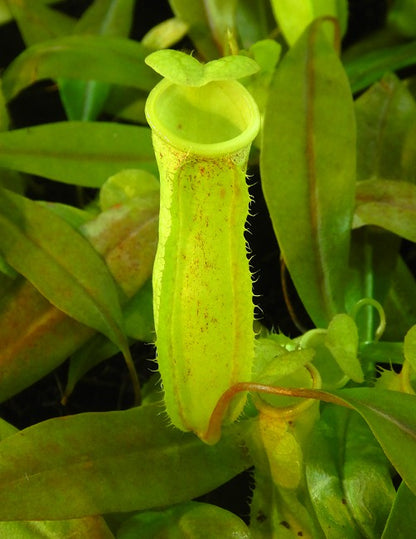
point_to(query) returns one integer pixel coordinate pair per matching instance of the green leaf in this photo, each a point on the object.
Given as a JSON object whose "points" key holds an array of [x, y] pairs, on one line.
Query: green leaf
{"points": [[181, 68], [93, 527], [389, 204], [342, 341], [323, 466], [81, 153], [402, 18], [391, 416], [5, 14], [165, 34], [38, 22], [84, 99], [35, 337], [369, 67], [127, 185], [400, 306], [138, 324], [293, 16], [410, 347], [366, 479], [401, 523], [191, 520], [308, 171], [348, 476], [87, 57], [97, 463], [61, 264], [210, 24], [385, 114], [254, 21]]}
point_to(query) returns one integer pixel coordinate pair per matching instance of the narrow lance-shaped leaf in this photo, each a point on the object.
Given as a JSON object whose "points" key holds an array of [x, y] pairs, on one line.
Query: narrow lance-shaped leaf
{"points": [[97, 463], [80, 153], [308, 170], [107, 59], [61, 264]]}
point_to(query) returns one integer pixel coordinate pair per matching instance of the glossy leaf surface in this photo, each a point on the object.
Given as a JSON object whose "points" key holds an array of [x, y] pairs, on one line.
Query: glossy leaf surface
{"points": [[107, 59], [348, 476], [402, 519], [392, 418], [81, 153], [293, 16], [98, 463], [308, 170]]}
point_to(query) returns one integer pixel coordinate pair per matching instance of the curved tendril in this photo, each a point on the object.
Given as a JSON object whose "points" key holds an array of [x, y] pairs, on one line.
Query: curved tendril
{"points": [[364, 302]]}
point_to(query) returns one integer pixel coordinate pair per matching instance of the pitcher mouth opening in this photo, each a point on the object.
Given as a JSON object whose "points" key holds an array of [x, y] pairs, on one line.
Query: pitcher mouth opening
{"points": [[219, 117]]}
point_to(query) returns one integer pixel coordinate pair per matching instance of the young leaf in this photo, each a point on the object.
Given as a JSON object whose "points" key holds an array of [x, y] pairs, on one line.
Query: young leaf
{"points": [[107, 59], [97, 463], [342, 341], [308, 170], [61, 264], [165, 34], [81, 153], [181, 68]]}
